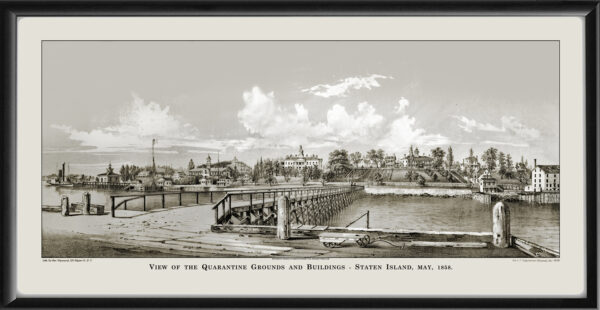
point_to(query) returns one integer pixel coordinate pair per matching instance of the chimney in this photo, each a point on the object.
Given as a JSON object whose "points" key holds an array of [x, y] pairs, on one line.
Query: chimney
{"points": [[534, 163]]}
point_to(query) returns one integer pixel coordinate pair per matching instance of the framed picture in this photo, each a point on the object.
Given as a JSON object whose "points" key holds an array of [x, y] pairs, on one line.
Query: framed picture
{"points": [[304, 154]]}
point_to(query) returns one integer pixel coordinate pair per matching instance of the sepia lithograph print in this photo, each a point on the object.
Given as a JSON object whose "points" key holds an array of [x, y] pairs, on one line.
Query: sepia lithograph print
{"points": [[301, 149]]}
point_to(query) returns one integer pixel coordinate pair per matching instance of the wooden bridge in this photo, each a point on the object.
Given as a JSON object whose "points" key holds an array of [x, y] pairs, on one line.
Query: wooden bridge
{"points": [[308, 206]]}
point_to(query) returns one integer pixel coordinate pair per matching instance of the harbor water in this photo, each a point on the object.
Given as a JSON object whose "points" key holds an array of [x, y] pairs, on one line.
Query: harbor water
{"points": [[536, 223]]}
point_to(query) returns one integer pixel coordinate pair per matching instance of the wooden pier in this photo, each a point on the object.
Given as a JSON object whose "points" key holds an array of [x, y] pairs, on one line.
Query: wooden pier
{"points": [[117, 201], [314, 206]]}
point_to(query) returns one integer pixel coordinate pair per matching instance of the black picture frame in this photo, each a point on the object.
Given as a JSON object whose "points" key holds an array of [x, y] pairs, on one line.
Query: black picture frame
{"points": [[12, 10]]}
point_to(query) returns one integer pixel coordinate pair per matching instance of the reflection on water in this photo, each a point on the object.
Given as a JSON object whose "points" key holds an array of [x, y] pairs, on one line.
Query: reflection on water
{"points": [[536, 223]]}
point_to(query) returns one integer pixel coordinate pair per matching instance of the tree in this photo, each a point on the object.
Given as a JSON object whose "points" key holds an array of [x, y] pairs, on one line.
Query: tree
{"points": [[355, 158], [412, 176], [315, 173], [380, 156], [191, 165], [339, 162], [269, 172], [449, 158], [123, 173], [372, 156], [305, 175], [421, 180], [286, 171], [489, 157], [502, 164], [328, 176], [256, 173], [509, 167], [438, 157], [377, 178]]}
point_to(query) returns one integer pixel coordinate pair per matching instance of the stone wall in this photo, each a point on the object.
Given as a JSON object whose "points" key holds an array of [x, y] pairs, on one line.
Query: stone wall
{"points": [[418, 191], [483, 198], [541, 198], [429, 184]]}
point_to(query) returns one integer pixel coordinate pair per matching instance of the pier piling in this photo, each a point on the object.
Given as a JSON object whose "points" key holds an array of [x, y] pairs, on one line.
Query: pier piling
{"points": [[86, 203], [284, 229], [501, 225], [64, 205]]}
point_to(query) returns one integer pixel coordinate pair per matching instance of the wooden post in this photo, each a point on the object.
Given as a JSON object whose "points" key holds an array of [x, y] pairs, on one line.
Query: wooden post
{"points": [[125, 205], [112, 207], [501, 225], [284, 229], [211, 197], [64, 205], [180, 199], [367, 219], [86, 203], [163, 200], [144, 202], [197, 197]]}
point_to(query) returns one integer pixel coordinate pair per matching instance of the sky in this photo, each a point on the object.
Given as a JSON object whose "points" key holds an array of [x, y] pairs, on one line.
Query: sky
{"points": [[104, 101]]}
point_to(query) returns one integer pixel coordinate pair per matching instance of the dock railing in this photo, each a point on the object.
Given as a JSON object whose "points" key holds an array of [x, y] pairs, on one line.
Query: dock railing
{"points": [[121, 200], [265, 202]]}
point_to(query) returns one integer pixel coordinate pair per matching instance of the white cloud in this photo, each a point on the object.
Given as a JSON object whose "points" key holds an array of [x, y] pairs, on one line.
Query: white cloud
{"points": [[341, 88], [402, 132], [137, 125], [403, 103], [468, 124], [364, 123], [510, 124], [506, 143], [274, 126]]}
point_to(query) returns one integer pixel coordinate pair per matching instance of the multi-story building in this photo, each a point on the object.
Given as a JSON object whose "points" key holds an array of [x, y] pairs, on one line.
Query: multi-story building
{"points": [[241, 167], [109, 176], [545, 178], [300, 160], [416, 161], [487, 183], [470, 163], [390, 161]]}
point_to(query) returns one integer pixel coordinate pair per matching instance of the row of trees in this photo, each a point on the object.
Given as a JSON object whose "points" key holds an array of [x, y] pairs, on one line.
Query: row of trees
{"points": [[375, 157], [269, 169]]}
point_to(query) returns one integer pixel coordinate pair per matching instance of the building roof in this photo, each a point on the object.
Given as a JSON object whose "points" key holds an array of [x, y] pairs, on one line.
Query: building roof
{"points": [[419, 158], [111, 174], [296, 157], [198, 169], [550, 168]]}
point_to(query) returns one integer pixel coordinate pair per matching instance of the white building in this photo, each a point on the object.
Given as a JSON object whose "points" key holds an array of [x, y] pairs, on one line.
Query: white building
{"points": [[179, 175], [545, 178], [416, 161], [109, 176], [241, 167], [390, 161], [487, 183], [299, 161]]}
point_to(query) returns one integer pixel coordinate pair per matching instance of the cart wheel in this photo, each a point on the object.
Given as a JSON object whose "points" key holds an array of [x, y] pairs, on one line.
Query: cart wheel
{"points": [[360, 243], [367, 239]]}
